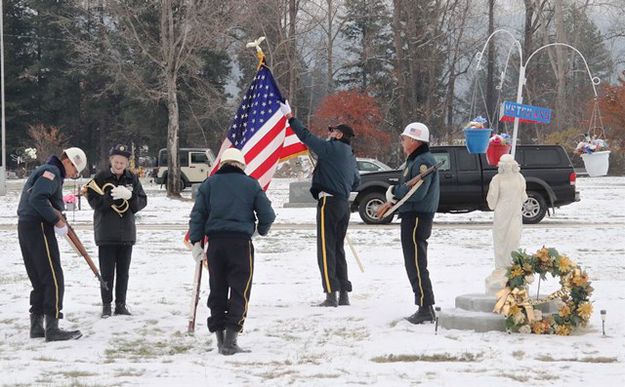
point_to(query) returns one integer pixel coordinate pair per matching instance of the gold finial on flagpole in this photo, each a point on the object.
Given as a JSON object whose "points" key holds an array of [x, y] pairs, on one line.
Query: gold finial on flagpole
{"points": [[259, 51]]}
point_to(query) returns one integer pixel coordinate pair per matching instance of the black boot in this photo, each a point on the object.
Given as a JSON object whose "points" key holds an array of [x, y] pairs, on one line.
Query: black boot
{"points": [[106, 310], [343, 297], [230, 346], [120, 309], [425, 313], [220, 339], [330, 300], [36, 326], [54, 333]]}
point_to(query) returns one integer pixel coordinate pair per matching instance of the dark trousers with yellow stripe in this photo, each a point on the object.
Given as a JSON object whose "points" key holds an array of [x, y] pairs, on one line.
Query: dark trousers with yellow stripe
{"points": [[231, 267], [332, 221], [415, 231], [43, 265]]}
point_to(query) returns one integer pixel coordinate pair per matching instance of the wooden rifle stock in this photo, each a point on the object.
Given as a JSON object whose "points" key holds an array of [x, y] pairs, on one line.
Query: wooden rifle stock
{"points": [[73, 240]]}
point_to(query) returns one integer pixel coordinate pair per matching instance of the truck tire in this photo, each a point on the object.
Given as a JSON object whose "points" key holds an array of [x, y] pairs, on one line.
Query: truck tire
{"points": [[534, 208], [182, 185], [369, 204]]}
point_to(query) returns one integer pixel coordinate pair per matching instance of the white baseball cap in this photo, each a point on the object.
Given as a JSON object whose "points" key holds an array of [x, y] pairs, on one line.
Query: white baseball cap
{"points": [[417, 131]]}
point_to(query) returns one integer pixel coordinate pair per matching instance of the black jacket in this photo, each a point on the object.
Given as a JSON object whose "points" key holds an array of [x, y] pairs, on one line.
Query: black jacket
{"points": [[336, 171], [111, 228], [228, 203], [43, 193]]}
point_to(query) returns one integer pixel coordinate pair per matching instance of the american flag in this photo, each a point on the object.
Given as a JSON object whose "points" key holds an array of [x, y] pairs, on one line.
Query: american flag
{"points": [[261, 131]]}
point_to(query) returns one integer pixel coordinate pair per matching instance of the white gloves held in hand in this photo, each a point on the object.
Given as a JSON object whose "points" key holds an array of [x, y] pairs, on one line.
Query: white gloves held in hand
{"points": [[121, 192], [61, 231], [198, 252], [389, 195], [285, 108]]}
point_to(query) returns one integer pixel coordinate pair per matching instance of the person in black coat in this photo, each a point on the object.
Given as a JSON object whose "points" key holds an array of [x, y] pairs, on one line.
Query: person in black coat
{"points": [[335, 176], [116, 197], [40, 221], [226, 208]]}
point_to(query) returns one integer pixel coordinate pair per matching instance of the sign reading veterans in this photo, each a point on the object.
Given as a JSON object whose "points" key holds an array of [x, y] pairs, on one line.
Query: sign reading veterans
{"points": [[526, 113]]}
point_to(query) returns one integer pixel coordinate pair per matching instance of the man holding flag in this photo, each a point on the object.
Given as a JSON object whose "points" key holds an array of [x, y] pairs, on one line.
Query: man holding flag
{"points": [[229, 202], [334, 177]]}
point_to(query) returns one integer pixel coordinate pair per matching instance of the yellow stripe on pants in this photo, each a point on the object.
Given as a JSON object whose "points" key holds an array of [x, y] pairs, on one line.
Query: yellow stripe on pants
{"points": [[323, 246], [247, 286], [56, 285], [416, 257]]}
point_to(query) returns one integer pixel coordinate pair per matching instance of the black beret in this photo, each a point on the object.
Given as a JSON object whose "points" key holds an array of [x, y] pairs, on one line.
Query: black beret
{"points": [[120, 149], [347, 130]]}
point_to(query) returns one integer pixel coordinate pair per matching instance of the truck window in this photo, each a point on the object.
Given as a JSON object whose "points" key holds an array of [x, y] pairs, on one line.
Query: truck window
{"points": [[541, 157], [442, 156], [198, 158], [466, 161]]}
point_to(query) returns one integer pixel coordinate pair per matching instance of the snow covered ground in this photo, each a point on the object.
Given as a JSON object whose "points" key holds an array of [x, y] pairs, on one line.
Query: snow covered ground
{"points": [[294, 343]]}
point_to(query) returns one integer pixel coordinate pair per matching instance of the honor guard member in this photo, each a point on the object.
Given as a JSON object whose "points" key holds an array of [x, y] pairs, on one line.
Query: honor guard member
{"points": [[334, 177], [417, 215], [39, 222], [116, 195], [225, 210]]}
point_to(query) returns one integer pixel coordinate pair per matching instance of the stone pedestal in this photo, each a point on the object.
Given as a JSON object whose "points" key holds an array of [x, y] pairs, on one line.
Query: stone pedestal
{"points": [[475, 312]]}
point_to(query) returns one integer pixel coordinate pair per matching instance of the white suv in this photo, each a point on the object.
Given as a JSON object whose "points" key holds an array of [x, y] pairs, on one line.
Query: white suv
{"points": [[195, 164]]}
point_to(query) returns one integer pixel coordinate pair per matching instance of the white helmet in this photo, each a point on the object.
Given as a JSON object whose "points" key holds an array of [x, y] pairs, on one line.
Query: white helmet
{"points": [[417, 131], [233, 154], [77, 157]]}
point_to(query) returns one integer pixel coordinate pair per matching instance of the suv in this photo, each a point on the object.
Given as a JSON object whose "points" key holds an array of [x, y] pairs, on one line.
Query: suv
{"points": [[464, 180], [195, 164]]}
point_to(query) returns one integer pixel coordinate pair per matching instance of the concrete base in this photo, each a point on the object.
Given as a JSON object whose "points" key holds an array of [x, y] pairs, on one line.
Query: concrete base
{"points": [[299, 195], [475, 312]]}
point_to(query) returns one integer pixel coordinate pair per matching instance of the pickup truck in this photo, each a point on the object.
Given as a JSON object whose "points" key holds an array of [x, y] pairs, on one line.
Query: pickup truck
{"points": [[464, 180]]}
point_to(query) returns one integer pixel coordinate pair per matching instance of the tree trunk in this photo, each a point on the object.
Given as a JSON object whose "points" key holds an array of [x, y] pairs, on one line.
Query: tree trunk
{"points": [[173, 126], [292, 61], [560, 68], [330, 49]]}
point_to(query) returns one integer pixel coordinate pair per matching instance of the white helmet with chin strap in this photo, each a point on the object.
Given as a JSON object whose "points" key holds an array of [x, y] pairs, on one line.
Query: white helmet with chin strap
{"points": [[77, 157], [417, 131]]}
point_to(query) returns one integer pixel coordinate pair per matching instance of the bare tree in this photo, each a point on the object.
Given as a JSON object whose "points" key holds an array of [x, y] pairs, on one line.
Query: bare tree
{"points": [[151, 44]]}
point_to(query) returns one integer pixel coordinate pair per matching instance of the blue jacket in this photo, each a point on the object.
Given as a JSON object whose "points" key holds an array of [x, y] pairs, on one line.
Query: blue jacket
{"points": [[425, 199], [43, 193], [228, 203], [336, 172]]}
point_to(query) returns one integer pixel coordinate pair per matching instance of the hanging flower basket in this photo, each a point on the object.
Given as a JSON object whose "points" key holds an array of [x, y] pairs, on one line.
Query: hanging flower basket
{"points": [[498, 145], [596, 163], [476, 135], [595, 154]]}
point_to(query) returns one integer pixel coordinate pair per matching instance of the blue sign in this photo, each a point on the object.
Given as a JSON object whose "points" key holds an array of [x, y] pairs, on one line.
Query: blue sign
{"points": [[525, 113]]}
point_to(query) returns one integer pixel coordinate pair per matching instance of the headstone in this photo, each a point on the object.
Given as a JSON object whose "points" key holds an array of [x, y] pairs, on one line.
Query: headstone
{"points": [[299, 195]]}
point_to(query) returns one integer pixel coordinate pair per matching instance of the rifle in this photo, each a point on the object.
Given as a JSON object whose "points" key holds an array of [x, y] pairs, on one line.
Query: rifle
{"points": [[414, 183], [77, 245], [197, 283]]}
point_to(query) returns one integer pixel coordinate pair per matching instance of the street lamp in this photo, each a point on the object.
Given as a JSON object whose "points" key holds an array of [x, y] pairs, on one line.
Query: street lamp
{"points": [[522, 67], [3, 174]]}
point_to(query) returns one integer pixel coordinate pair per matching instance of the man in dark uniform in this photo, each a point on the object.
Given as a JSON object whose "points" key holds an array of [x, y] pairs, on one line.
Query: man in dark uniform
{"points": [[335, 176], [225, 210], [114, 222], [417, 215], [39, 221]]}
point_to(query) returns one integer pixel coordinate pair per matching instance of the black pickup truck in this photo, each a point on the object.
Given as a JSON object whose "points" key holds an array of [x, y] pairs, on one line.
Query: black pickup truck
{"points": [[464, 179]]}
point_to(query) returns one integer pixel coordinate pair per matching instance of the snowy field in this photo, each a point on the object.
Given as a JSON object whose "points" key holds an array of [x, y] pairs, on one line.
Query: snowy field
{"points": [[294, 343]]}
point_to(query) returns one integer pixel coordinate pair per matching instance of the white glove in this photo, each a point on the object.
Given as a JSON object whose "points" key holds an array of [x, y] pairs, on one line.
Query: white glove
{"points": [[285, 108], [389, 195], [121, 192], [198, 252], [61, 231]]}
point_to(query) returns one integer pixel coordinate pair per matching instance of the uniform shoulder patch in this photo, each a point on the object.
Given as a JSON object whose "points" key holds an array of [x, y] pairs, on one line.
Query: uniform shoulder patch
{"points": [[49, 175], [423, 168]]}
